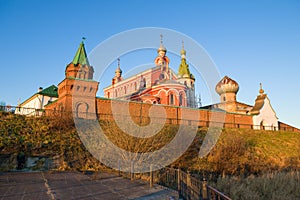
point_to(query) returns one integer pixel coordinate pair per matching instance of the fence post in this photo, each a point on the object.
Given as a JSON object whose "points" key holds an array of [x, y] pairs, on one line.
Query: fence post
{"points": [[188, 184], [204, 189], [119, 167], [178, 182], [151, 176], [132, 171]]}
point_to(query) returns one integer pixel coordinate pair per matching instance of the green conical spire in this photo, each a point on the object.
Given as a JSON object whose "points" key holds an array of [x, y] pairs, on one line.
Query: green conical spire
{"points": [[80, 56], [184, 70]]}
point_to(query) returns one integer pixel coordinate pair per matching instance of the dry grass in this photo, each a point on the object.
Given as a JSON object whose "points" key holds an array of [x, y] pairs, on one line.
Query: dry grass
{"points": [[275, 186]]}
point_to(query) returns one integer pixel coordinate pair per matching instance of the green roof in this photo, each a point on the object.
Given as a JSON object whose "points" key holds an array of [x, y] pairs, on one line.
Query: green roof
{"points": [[50, 91], [80, 56], [184, 69]]}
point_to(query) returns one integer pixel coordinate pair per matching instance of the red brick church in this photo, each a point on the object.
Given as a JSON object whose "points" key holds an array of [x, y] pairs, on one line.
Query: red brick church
{"points": [[157, 85]]}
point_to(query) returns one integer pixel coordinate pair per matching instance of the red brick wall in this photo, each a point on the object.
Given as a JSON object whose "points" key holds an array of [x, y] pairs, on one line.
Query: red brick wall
{"points": [[286, 127], [173, 114]]}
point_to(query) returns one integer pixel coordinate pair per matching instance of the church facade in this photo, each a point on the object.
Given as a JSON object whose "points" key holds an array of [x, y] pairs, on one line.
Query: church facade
{"points": [[157, 85]]}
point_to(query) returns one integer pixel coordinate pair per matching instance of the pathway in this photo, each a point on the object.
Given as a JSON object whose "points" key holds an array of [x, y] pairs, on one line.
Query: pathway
{"points": [[76, 185]]}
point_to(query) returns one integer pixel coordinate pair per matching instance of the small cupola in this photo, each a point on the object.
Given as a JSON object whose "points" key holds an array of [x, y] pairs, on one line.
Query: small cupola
{"points": [[227, 88]]}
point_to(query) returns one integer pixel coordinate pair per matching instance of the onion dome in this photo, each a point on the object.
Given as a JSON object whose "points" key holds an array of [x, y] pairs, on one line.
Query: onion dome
{"points": [[227, 85], [261, 91], [118, 70], [161, 47]]}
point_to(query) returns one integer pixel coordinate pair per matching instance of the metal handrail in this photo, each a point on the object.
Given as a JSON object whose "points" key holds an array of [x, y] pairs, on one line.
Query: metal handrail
{"points": [[217, 193]]}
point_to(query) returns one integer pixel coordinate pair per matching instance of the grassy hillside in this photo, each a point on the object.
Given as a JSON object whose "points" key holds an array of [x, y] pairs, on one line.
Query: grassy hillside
{"points": [[244, 151], [53, 138], [238, 151]]}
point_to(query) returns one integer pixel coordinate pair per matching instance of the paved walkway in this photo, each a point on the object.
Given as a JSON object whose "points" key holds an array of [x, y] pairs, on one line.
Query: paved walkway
{"points": [[76, 185]]}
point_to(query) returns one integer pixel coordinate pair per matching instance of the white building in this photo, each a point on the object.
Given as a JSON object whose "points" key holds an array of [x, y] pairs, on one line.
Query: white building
{"points": [[34, 105], [264, 116]]}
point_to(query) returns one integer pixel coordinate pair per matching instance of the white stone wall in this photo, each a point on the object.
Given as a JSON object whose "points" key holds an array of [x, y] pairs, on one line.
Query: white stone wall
{"points": [[267, 118]]}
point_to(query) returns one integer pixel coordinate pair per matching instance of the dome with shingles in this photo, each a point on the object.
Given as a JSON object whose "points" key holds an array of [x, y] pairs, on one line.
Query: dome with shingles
{"points": [[227, 85]]}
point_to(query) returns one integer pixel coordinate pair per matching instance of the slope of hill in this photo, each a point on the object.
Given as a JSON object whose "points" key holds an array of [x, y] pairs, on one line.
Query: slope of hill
{"points": [[238, 151]]}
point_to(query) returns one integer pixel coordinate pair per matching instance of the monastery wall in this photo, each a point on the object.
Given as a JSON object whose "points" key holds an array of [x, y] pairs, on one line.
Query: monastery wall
{"points": [[143, 113], [286, 127]]}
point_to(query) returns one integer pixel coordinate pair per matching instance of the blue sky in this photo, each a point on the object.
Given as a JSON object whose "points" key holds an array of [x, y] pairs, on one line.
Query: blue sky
{"points": [[250, 41]]}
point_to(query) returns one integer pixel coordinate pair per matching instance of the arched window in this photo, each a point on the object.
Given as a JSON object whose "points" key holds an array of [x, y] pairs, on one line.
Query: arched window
{"points": [[180, 99], [144, 83], [171, 99]]}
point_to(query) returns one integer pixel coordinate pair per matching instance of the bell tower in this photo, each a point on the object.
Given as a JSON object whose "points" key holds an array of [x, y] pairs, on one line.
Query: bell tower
{"points": [[77, 92], [162, 61], [118, 74], [187, 78]]}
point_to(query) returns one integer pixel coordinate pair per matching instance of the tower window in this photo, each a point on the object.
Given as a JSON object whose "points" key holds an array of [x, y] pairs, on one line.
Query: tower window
{"points": [[180, 99], [171, 99], [224, 98]]}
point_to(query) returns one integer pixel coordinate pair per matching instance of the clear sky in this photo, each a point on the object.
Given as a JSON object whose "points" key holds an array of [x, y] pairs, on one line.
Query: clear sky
{"points": [[250, 41]]}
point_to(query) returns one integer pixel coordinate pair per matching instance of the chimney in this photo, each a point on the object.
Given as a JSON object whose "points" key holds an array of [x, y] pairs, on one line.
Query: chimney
{"points": [[40, 89]]}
